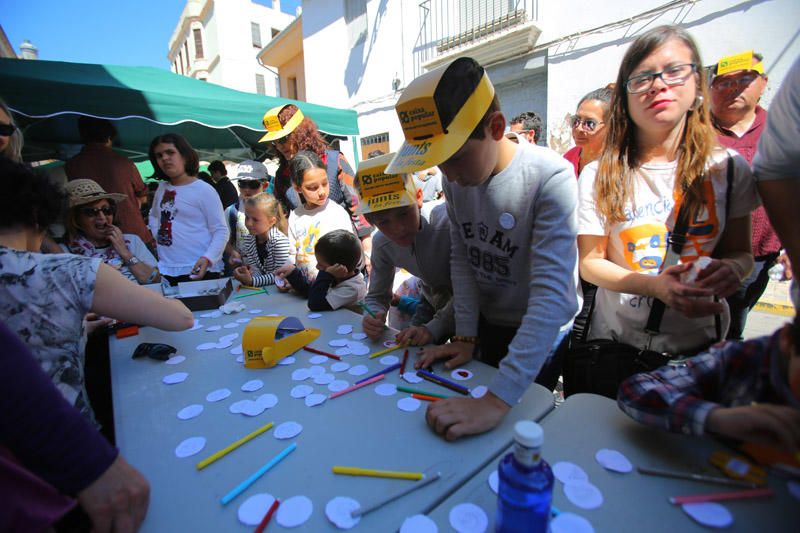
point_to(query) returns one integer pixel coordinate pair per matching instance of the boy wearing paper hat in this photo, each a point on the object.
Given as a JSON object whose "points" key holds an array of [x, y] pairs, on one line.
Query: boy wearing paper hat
{"points": [[513, 231], [410, 237]]}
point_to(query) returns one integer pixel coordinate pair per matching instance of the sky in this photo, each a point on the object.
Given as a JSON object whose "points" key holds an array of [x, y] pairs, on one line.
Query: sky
{"points": [[118, 32]]}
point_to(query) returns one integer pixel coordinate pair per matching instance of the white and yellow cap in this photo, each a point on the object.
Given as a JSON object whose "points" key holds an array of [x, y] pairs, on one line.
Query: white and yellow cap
{"points": [[378, 191], [740, 61], [429, 142], [276, 130]]}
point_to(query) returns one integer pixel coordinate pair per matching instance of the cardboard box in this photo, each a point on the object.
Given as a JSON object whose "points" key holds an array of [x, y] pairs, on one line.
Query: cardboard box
{"points": [[199, 295]]}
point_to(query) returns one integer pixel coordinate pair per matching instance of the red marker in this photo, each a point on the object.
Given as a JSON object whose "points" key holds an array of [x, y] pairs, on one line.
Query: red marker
{"points": [[265, 520], [403, 366], [320, 352]]}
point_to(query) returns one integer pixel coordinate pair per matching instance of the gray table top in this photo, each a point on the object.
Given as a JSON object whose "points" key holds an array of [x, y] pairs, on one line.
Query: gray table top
{"points": [[586, 423], [357, 429]]}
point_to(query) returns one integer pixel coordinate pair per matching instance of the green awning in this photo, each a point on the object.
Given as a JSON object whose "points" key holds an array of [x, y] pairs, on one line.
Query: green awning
{"points": [[220, 123]]}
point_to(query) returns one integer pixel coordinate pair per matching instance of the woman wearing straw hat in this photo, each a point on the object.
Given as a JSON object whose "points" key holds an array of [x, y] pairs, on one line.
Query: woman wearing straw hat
{"points": [[92, 232]]}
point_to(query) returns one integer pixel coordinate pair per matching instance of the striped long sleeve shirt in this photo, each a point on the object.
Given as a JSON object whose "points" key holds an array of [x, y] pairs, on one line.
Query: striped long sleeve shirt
{"points": [[264, 258]]}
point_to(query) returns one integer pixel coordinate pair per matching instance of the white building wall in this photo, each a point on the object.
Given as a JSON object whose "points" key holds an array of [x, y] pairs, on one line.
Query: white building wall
{"points": [[551, 79], [228, 46]]}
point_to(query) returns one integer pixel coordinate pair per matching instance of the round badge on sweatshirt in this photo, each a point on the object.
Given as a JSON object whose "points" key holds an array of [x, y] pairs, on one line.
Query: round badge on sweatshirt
{"points": [[506, 220]]}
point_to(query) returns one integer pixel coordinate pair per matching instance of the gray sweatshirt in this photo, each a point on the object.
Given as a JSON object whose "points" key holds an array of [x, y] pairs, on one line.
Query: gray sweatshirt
{"points": [[514, 255], [429, 260]]}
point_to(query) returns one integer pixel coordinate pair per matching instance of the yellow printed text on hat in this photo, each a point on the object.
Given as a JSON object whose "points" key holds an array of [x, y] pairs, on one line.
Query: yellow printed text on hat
{"points": [[276, 130], [378, 191], [742, 61], [429, 142]]}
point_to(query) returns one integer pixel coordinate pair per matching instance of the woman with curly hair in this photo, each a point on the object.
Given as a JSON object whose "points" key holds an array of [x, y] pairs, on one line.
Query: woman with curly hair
{"points": [[290, 132]]}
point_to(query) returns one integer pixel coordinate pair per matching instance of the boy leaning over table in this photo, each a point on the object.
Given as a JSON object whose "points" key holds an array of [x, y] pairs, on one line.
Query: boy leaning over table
{"points": [[513, 231], [744, 390]]}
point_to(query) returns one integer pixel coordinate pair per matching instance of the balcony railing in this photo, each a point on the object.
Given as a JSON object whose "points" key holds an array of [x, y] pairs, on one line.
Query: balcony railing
{"points": [[449, 25]]}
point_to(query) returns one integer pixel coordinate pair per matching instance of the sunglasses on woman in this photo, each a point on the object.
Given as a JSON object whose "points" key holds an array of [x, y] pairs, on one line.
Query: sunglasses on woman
{"points": [[7, 130], [589, 124], [95, 211]]}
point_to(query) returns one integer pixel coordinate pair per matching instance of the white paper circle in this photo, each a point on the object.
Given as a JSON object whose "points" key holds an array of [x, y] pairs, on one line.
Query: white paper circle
{"points": [[358, 336], [238, 407], [408, 404], [287, 430], [337, 342], [316, 370], [294, 511], [344, 329], [229, 337], [411, 377], [267, 401], [301, 374], [287, 361], [385, 389], [217, 395], [613, 460], [339, 366], [301, 391], [254, 311], [494, 481], [207, 346], [243, 320], [251, 408], [252, 511], [272, 314], [237, 351], [205, 315], [324, 379], [252, 385], [177, 377], [358, 370], [317, 360], [567, 472], [461, 374], [419, 523], [175, 360], [468, 518], [389, 344], [240, 359], [570, 523], [710, 514], [223, 345], [343, 351], [338, 512], [231, 325], [359, 349], [190, 446], [190, 411], [214, 328], [314, 315], [479, 391], [197, 325], [389, 360], [337, 385], [315, 399], [583, 494]]}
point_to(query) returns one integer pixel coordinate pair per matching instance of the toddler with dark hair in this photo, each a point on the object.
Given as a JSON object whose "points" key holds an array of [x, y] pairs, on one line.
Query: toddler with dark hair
{"points": [[338, 283]]}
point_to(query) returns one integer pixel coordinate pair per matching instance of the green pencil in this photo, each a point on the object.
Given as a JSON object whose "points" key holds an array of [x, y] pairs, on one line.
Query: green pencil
{"points": [[417, 391], [251, 294], [367, 309]]}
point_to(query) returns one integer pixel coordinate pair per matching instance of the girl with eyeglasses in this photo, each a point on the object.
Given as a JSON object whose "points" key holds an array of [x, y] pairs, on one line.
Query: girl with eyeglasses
{"points": [[10, 136], [588, 128], [92, 233], [661, 155]]}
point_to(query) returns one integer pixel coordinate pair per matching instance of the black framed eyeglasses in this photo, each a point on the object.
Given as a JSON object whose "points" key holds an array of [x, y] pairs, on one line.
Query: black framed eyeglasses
{"points": [[674, 75], [6, 130], [589, 124], [95, 211]]}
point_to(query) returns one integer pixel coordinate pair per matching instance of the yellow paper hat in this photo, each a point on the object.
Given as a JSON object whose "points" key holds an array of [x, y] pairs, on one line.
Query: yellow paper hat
{"points": [[378, 191], [740, 61], [273, 125], [429, 142]]}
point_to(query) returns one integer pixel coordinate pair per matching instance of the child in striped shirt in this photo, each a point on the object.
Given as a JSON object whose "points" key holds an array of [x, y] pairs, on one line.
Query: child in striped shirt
{"points": [[265, 249]]}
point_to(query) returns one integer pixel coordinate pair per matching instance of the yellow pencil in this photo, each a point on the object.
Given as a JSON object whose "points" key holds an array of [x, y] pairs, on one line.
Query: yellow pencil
{"points": [[355, 471], [387, 350], [228, 449]]}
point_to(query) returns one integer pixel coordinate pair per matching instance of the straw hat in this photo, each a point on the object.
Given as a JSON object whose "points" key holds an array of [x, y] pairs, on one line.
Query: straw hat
{"points": [[85, 191]]}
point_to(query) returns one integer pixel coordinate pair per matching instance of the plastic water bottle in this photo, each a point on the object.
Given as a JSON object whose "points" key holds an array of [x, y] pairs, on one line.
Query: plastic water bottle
{"points": [[525, 489]]}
